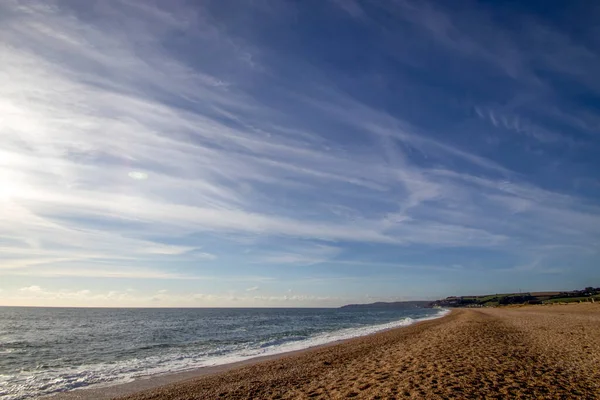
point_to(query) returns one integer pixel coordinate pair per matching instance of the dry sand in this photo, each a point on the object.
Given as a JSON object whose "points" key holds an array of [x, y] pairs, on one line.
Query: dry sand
{"points": [[542, 352]]}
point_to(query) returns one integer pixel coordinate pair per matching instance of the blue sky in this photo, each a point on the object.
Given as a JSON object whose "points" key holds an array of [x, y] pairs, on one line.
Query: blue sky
{"points": [[269, 153]]}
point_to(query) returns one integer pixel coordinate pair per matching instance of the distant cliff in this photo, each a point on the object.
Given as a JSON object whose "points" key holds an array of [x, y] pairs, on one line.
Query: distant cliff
{"points": [[397, 304]]}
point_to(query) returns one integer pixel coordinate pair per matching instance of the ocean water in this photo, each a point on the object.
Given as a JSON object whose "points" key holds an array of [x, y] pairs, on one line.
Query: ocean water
{"points": [[49, 350]]}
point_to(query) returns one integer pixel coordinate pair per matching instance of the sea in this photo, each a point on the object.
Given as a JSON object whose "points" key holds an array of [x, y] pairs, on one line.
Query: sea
{"points": [[49, 350]]}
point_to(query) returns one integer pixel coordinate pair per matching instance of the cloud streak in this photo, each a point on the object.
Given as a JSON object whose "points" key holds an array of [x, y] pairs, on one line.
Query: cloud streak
{"points": [[123, 146]]}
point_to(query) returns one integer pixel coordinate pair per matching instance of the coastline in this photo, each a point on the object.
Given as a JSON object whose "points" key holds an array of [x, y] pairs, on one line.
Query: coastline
{"points": [[542, 352], [522, 352], [149, 382]]}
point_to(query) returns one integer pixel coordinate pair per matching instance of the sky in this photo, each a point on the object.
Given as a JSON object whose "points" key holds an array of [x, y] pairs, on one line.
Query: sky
{"points": [[296, 154]]}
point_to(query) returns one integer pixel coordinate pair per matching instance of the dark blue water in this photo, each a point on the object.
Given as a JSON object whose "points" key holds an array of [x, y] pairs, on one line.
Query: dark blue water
{"points": [[47, 350]]}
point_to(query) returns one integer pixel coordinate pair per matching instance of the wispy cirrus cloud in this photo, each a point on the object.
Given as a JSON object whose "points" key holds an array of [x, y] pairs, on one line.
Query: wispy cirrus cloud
{"points": [[300, 255], [155, 139], [523, 126], [75, 154]]}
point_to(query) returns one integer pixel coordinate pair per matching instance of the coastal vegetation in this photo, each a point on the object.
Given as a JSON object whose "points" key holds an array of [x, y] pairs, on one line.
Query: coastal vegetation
{"points": [[589, 294]]}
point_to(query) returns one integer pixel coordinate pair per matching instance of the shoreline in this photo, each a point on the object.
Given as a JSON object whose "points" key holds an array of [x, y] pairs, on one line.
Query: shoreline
{"points": [[105, 391], [525, 352], [513, 352]]}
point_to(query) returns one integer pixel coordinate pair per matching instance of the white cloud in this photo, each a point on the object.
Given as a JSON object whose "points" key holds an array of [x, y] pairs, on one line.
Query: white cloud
{"points": [[252, 289], [84, 270], [65, 132], [514, 123], [112, 151], [32, 289], [301, 255], [205, 256]]}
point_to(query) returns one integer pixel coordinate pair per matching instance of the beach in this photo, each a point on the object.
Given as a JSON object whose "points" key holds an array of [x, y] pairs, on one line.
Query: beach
{"points": [[543, 352]]}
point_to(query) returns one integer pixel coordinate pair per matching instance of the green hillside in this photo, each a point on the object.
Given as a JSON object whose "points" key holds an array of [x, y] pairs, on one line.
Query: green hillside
{"points": [[504, 299]]}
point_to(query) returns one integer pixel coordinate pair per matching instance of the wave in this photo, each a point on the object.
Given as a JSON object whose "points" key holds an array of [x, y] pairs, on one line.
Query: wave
{"points": [[344, 334]]}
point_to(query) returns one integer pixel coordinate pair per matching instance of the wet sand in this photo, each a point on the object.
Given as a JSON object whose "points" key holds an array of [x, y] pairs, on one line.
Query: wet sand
{"points": [[541, 352]]}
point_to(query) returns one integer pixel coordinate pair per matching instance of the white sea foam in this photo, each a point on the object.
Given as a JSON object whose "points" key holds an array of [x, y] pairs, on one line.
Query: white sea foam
{"points": [[342, 334]]}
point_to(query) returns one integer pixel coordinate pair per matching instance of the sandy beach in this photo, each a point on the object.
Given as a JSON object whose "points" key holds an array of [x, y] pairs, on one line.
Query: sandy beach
{"points": [[542, 352]]}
